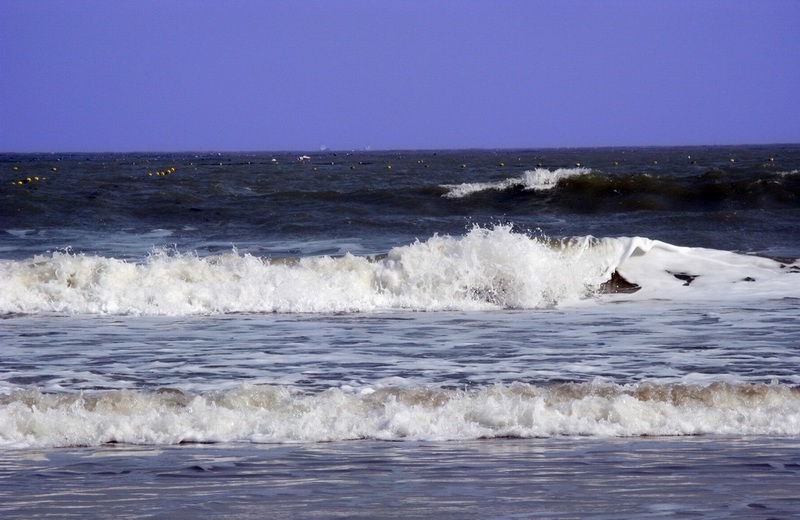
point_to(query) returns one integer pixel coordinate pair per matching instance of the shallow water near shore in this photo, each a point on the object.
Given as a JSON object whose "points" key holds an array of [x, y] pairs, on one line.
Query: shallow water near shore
{"points": [[709, 477]]}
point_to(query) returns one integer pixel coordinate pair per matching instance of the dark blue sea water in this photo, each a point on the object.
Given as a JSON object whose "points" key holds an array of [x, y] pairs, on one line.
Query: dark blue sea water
{"points": [[562, 333]]}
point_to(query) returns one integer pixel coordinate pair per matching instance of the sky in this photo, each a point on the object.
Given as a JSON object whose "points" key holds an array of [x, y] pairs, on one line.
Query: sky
{"points": [[247, 75]]}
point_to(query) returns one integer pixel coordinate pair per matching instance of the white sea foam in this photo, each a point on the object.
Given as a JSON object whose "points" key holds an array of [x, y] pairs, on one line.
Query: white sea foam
{"points": [[277, 414], [158, 233], [485, 269], [540, 179], [20, 233]]}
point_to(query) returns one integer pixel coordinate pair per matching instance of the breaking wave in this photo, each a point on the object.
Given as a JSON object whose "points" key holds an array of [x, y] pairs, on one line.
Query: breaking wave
{"points": [[539, 179], [267, 414], [485, 269]]}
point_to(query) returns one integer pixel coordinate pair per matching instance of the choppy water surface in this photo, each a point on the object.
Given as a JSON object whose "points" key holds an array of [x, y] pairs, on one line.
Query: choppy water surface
{"points": [[464, 334]]}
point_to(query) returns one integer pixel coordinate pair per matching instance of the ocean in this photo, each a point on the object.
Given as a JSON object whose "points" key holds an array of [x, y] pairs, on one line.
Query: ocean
{"points": [[560, 333]]}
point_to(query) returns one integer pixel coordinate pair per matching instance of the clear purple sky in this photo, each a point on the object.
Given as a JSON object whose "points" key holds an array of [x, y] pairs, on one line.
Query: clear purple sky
{"points": [[193, 75]]}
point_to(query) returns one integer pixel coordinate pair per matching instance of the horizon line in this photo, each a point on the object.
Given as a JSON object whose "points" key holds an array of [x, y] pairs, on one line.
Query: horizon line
{"points": [[395, 150]]}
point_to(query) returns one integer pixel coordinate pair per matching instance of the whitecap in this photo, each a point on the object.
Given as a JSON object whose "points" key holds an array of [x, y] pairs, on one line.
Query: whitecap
{"points": [[270, 414], [485, 269], [540, 179]]}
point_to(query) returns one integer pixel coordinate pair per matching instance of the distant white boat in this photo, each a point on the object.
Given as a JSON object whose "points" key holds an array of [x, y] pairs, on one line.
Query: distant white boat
{"points": [[303, 158]]}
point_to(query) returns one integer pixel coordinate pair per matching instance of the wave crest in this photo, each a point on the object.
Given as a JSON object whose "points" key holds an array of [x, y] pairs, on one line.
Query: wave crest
{"points": [[540, 179], [257, 413], [484, 269]]}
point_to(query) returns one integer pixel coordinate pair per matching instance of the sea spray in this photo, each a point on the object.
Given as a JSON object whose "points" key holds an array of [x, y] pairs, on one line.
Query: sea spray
{"points": [[488, 268]]}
